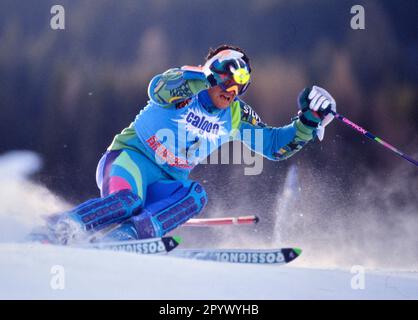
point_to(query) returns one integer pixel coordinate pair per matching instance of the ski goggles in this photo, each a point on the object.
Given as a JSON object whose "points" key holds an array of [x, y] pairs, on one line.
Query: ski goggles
{"points": [[232, 85], [231, 72]]}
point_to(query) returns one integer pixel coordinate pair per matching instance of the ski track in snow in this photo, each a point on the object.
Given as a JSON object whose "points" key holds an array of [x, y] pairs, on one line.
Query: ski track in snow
{"points": [[92, 274]]}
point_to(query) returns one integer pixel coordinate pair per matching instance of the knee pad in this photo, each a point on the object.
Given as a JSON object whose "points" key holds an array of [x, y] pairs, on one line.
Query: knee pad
{"points": [[96, 214], [165, 215]]}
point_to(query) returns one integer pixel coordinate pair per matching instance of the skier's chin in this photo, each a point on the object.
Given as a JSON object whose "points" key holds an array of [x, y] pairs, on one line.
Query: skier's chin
{"points": [[223, 103], [220, 98]]}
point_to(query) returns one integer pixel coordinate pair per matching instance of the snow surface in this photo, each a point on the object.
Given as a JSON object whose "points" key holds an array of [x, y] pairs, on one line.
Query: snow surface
{"points": [[93, 274], [28, 269]]}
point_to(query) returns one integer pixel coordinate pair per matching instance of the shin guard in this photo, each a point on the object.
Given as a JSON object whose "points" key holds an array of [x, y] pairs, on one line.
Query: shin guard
{"points": [[95, 215], [162, 216]]}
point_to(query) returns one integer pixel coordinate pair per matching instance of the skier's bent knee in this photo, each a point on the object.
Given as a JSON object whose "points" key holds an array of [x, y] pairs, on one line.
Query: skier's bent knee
{"points": [[161, 217]]}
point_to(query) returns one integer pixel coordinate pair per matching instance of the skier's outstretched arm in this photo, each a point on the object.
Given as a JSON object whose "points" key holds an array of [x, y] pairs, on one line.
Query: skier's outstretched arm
{"points": [[279, 143], [177, 84]]}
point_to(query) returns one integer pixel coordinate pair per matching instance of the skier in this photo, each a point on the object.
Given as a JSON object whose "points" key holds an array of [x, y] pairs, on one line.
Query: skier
{"points": [[143, 176]]}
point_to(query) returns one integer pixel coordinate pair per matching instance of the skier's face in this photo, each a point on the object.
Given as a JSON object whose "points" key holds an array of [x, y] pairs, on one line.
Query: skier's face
{"points": [[220, 98]]}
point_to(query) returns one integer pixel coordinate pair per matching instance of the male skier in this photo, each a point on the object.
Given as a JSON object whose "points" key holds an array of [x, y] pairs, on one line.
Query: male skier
{"points": [[143, 176]]}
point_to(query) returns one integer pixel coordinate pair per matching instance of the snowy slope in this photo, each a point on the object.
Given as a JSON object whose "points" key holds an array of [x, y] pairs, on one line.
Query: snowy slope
{"points": [[92, 274], [26, 268]]}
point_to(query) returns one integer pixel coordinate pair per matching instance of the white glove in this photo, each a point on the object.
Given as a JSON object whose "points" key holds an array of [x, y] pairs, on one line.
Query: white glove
{"points": [[321, 100]]}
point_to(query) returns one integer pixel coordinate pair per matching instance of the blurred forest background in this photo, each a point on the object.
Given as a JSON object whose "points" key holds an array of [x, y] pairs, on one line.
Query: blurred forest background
{"points": [[66, 93]]}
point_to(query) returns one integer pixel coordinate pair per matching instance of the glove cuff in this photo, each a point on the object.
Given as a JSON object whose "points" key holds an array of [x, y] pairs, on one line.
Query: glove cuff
{"points": [[308, 119], [211, 79], [303, 132]]}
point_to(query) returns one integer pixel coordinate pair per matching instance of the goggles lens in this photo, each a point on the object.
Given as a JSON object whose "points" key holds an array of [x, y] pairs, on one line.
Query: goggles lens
{"points": [[231, 85]]}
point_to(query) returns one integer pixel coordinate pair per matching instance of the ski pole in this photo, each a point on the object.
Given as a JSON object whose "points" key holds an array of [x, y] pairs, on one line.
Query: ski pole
{"points": [[206, 222], [373, 137]]}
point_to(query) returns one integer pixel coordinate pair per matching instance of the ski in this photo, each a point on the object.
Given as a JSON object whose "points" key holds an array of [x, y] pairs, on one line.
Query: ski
{"points": [[207, 222], [246, 256], [146, 246], [166, 245]]}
